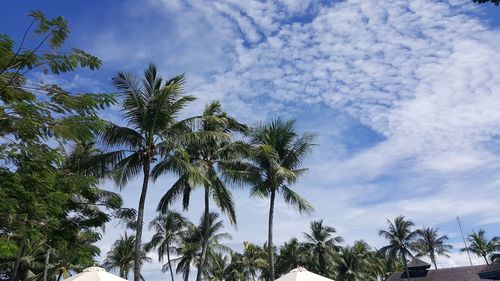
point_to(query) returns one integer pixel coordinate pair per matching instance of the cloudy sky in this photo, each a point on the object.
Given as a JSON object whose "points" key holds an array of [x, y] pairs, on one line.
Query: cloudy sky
{"points": [[403, 96]]}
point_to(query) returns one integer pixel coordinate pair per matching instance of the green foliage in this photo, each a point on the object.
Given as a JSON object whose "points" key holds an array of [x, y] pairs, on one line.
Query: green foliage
{"points": [[48, 202], [482, 246]]}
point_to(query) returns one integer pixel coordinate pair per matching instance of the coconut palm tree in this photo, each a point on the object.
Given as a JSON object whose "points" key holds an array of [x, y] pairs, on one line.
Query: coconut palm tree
{"points": [[430, 244], [217, 267], [168, 228], [351, 265], [400, 237], [292, 255], [274, 164], [322, 242], [121, 255], [481, 246], [150, 107], [191, 243], [213, 146]]}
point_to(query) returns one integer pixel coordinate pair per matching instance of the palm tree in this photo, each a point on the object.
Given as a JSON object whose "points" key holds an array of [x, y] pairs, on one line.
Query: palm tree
{"points": [[121, 255], [400, 237], [212, 148], [430, 244], [292, 255], [322, 242], [168, 227], [481, 246], [275, 163], [191, 243], [217, 267], [351, 265], [150, 107]]}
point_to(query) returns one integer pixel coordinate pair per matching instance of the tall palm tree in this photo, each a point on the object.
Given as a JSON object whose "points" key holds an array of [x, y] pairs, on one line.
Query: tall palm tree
{"points": [[481, 246], [430, 244], [121, 255], [400, 237], [150, 106], [168, 228], [275, 163], [206, 153], [322, 242]]}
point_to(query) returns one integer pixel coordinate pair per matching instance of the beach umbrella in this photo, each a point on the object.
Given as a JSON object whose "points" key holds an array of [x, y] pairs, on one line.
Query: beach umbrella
{"points": [[301, 274], [94, 273]]}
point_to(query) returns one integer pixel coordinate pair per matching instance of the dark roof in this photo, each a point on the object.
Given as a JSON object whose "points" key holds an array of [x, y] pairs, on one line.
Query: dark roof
{"points": [[491, 271], [418, 263], [464, 273]]}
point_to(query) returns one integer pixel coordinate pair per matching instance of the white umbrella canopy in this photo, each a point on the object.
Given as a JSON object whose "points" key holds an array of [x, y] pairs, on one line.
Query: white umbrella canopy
{"points": [[301, 274], [94, 273]]}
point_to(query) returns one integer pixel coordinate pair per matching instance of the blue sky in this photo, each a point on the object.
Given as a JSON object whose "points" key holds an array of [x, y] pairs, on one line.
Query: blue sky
{"points": [[403, 96]]}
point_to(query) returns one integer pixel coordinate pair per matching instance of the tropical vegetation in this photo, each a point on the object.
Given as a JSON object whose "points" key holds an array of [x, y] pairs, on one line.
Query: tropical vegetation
{"points": [[56, 151]]}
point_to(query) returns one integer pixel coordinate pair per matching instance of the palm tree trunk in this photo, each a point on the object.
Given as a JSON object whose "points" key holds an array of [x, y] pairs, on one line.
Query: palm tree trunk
{"points": [[204, 248], [433, 259], [140, 219], [486, 259], [406, 268], [169, 262], [321, 259], [46, 265], [18, 260], [270, 237]]}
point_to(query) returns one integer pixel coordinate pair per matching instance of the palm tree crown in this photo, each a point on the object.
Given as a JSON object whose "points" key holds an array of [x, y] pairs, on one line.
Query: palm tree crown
{"points": [[169, 227], [322, 242], [400, 237], [121, 255], [430, 244], [481, 246]]}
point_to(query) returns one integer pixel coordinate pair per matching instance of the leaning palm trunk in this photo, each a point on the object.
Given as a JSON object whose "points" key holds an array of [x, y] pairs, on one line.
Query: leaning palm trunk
{"points": [[170, 263], [204, 248], [140, 219], [270, 237]]}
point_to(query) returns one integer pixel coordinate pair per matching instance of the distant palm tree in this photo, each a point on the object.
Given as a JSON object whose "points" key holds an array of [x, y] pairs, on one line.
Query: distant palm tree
{"points": [[292, 255], [481, 246], [322, 242], [150, 107], [168, 228], [277, 152], [351, 265], [206, 153], [217, 267], [400, 237], [121, 255], [430, 244], [191, 243]]}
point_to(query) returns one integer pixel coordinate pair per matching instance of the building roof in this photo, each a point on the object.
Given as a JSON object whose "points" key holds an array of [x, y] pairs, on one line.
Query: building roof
{"points": [[418, 263], [463, 273], [491, 271]]}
